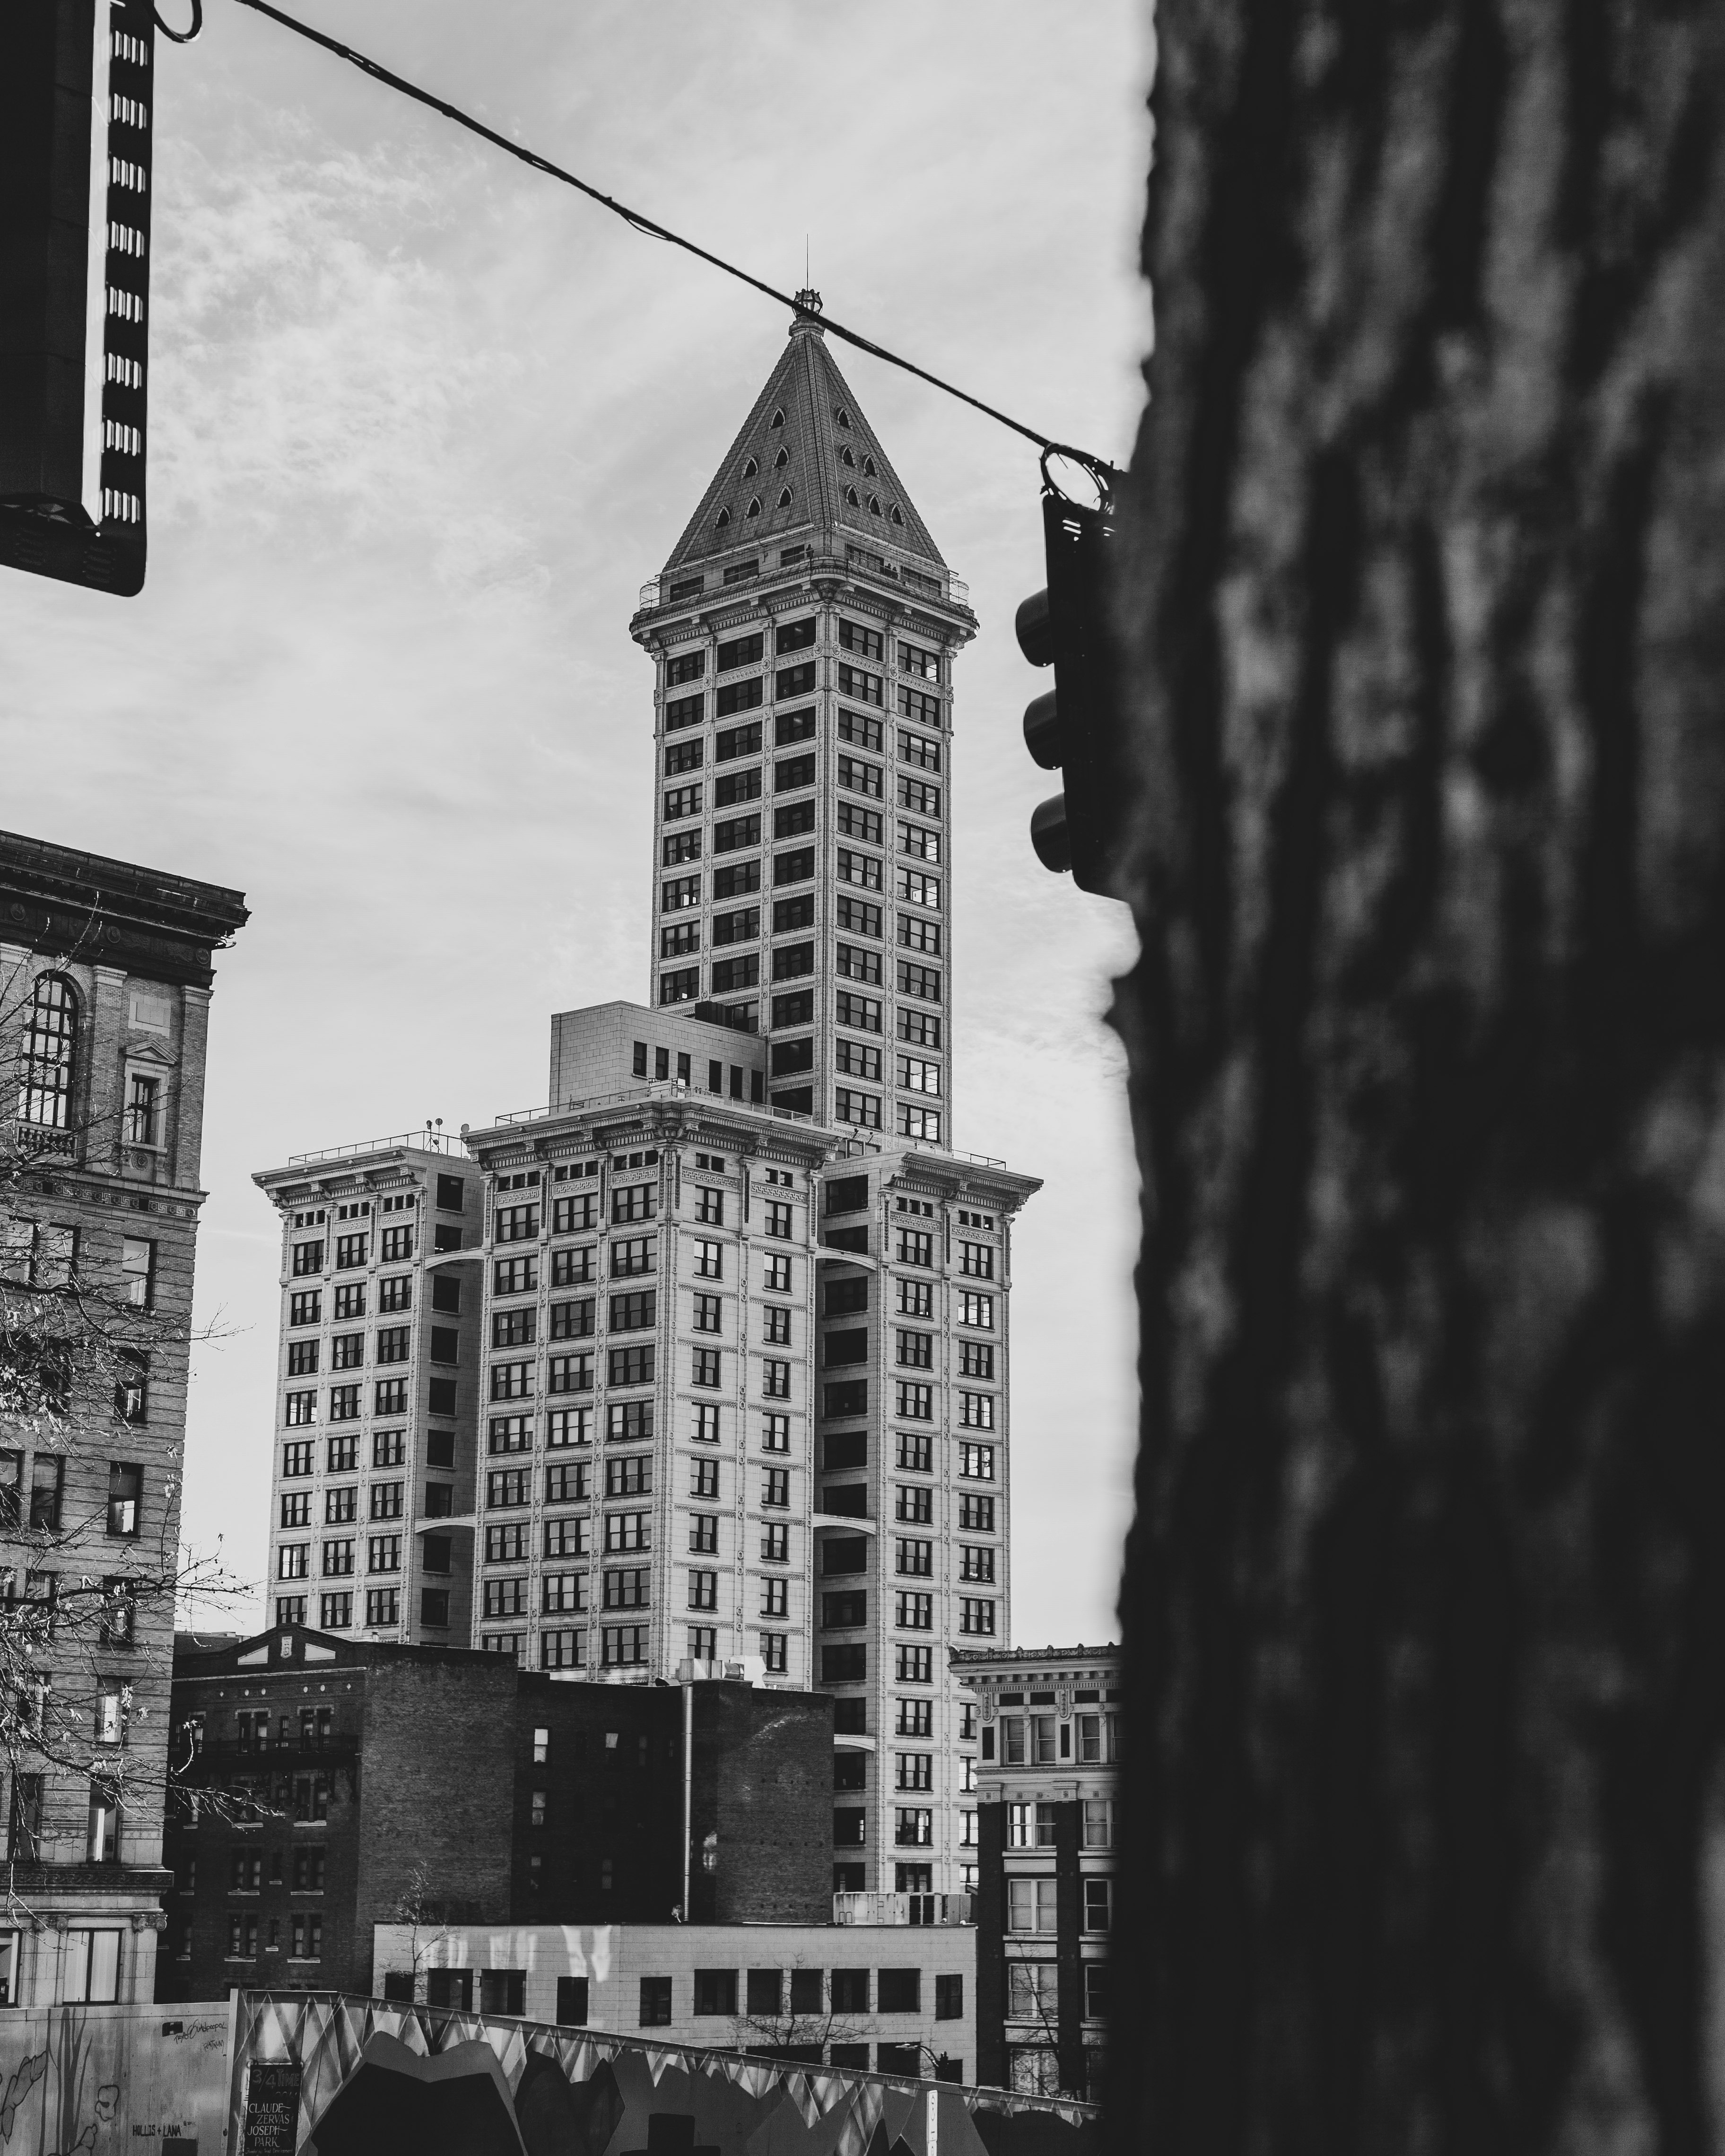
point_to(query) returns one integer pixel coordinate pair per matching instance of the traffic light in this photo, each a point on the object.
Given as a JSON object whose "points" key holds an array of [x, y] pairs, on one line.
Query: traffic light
{"points": [[1075, 727], [76, 84]]}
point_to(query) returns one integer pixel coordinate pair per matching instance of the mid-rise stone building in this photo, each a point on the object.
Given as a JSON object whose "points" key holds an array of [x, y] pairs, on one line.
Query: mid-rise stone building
{"points": [[105, 981], [1048, 1789], [377, 1380]]}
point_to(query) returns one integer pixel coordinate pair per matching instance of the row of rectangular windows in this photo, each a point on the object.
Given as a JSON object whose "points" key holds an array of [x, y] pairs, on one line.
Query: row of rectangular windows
{"points": [[738, 833], [787, 636], [854, 917], [623, 1646], [743, 880], [791, 775]]}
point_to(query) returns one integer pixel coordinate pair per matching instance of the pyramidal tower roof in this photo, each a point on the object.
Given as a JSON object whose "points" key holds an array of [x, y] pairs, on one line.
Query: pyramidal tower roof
{"points": [[805, 462]]}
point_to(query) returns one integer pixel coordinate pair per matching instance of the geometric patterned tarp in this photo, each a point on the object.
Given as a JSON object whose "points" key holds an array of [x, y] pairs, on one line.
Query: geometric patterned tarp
{"points": [[347, 2076]]}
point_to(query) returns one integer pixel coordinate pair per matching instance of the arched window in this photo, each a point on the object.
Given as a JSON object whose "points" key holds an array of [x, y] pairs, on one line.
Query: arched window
{"points": [[754, 508], [843, 418], [851, 496], [781, 461], [784, 499], [869, 466], [750, 469], [778, 419], [50, 1054], [874, 505], [846, 457], [724, 518], [898, 514]]}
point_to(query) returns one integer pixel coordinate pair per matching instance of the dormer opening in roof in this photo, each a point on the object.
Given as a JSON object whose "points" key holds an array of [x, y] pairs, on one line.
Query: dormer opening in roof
{"points": [[869, 467], [843, 418], [846, 458], [898, 515], [750, 469], [781, 459], [851, 496], [778, 420], [724, 519], [784, 499], [754, 508], [874, 505]]}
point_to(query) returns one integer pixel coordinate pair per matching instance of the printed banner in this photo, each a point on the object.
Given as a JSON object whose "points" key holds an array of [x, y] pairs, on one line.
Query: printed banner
{"points": [[371, 2077]]}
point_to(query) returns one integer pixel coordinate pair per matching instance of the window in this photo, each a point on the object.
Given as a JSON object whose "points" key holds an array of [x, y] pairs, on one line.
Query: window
{"points": [[655, 2002], [1030, 1905], [137, 1276], [131, 1387], [776, 1487], [915, 1665], [1098, 1903], [90, 1963], [126, 1493], [977, 1462], [704, 1590], [46, 1475], [855, 822], [103, 1843], [850, 1988], [976, 1410], [915, 1555]]}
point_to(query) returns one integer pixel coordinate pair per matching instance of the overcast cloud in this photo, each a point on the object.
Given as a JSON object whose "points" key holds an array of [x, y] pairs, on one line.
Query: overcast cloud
{"points": [[422, 423]]}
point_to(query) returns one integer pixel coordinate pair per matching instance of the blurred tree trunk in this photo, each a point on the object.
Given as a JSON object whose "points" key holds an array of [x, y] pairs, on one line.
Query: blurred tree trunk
{"points": [[1424, 586]]}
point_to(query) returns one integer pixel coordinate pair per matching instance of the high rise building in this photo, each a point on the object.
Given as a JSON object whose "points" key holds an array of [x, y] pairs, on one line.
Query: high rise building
{"points": [[106, 982], [802, 634], [744, 1400], [377, 1390]]}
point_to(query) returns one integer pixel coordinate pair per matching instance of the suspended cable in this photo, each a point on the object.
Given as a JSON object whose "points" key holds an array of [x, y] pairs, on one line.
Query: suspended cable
{"points": [[652, 230]]}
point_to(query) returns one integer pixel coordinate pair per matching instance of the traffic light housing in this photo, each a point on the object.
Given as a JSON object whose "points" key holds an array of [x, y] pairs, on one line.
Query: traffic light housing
{"points": [[1076, 726], [77, 80]]}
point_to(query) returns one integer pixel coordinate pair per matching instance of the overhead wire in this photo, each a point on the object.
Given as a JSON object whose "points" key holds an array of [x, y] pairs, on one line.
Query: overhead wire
{"points": [[651, 228]]}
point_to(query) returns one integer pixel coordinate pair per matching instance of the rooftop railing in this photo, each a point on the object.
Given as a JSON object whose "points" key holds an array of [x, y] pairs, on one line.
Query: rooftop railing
{"points": [[953, 589], [674, 1088], [422, 1141]]}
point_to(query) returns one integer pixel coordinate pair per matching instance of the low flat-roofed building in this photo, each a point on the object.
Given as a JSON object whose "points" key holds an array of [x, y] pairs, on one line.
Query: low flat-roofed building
{"points": [[894, 1999], [611, 1048]]}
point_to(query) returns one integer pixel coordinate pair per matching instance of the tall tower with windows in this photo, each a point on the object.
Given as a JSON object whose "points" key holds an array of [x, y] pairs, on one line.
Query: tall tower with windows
{"points": [[803, 632]]}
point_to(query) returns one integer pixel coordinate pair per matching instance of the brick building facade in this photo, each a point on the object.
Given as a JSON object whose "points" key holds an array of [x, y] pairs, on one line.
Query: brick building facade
{"points": [[106, 982], [332, 1785], [1047, 1789]]}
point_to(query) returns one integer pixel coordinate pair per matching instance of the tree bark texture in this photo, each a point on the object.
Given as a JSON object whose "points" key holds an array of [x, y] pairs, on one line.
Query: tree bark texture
{"points": [[1422, 591]]}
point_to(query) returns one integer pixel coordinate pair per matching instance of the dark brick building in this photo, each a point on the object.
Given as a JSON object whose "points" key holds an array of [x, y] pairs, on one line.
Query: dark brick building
{"points": [[327, 1785], [600, 1797], [1046, 1790]]}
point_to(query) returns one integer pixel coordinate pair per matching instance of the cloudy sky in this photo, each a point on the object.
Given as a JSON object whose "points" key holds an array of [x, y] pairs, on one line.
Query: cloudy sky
{"points": [[423, 423]]}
